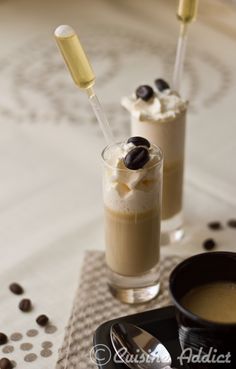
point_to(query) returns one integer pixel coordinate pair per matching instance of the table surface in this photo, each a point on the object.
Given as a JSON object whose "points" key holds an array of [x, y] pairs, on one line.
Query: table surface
{"points": [[50, 144]]}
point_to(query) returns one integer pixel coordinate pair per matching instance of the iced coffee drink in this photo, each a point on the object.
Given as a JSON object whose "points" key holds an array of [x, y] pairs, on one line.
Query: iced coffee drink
{"points": [[160, 117], [132, 187]]}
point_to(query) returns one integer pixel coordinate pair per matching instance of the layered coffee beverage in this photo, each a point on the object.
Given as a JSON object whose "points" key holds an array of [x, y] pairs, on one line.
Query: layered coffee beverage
{"points": [[132, 188], [126, 235], [160, 116], [213, 301]]}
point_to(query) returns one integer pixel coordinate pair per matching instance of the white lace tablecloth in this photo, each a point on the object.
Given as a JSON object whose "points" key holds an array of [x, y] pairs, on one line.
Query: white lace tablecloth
{"points": [[50, 144]]}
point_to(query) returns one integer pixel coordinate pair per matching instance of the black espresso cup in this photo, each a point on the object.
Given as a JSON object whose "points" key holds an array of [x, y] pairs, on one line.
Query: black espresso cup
{"points": [[205, 344]]}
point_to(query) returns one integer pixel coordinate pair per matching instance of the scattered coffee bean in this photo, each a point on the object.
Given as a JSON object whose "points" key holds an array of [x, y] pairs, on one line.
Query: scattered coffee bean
{"points": [[25, 305], [139, 141], [5, 363], [42, 320], [16, 289], [209, 244], [215, 226], [232, 223], [144, 92], [3, 338], [136, 158], [161, 85]]}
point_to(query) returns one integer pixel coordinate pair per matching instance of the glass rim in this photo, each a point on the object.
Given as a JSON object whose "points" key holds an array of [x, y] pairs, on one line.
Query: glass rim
{"points": [[159, 162]]}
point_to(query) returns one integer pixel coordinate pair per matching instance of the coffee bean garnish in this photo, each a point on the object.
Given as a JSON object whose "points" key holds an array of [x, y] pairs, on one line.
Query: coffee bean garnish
{"points": [[136, 158], [25, 305], [3, 338], [16, 289], [139, 141], [42, 320], [232, 223], [209, 244], [161, 85], [144, 92], [5, 363], [215, 226]]}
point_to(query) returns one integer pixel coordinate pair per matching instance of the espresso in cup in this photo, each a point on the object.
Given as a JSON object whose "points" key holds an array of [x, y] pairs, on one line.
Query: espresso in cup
{"points": [[213, 301], [203, 290]]}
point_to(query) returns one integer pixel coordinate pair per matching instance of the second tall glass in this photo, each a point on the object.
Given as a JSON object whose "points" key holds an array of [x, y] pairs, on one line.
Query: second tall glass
{"points": [[170, 136]]}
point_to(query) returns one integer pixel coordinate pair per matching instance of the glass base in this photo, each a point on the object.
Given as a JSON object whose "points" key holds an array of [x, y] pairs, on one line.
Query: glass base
{"points": [[172, 230], [134, 290]]}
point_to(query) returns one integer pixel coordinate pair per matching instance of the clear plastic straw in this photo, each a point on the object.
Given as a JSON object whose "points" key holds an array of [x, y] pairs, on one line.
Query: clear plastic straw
{"points": [[100, 115], [82, 73], [186, 14], [180, 57]]}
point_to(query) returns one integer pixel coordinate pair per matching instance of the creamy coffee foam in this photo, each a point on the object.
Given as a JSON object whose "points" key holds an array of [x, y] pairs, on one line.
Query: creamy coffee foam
{"points": [[130, 190], [162, 106]]}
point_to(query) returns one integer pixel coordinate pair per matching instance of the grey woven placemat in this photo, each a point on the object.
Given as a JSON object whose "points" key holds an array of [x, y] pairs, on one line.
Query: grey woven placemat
{"points": [[94, 305]]}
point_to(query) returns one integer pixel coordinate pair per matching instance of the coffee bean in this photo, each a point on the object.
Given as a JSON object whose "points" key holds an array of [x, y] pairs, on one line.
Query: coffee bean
{"points": [[161, 85], [215, 226], [5, 363], [209, 244], [16, 289], [139, 141], [25, 305], [3, 338], [136, 158], [144, 92], [42, 320], [232, 223]]}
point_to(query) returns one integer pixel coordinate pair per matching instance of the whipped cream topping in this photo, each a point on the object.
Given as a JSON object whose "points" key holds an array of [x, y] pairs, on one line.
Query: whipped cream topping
{"points": [[129, 190], [162, 106]]}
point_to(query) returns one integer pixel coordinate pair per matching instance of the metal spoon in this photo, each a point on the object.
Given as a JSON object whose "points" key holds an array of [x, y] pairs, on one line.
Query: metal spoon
{"points": [[137, 348]]}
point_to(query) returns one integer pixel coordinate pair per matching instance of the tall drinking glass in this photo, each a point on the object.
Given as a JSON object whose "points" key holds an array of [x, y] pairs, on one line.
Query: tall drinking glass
{"points": [[132, 203], [170, 136]]}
